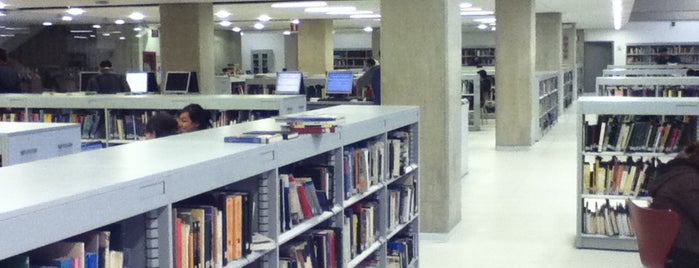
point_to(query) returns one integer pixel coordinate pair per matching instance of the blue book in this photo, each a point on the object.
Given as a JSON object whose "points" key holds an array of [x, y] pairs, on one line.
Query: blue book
{"points": [[91, 260], [58, 263]]}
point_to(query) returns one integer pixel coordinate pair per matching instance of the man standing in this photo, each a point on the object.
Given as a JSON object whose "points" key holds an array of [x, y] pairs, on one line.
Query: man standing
{"points": [[9, 79], [372, 79], [107, 81]]}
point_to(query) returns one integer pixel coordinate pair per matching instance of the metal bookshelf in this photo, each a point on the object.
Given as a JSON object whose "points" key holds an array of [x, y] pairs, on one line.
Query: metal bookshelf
{"points": [[64, 196], [470, 89], [654, 85], [24, 142], [593, 106], [548, 96]]}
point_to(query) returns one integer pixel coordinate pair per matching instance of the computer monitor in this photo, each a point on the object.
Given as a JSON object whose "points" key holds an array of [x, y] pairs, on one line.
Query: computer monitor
{"points": [[176, 82], [289, 83], [153, 83], [339, 83], [193, 86], [138, 82], [85, 78]]}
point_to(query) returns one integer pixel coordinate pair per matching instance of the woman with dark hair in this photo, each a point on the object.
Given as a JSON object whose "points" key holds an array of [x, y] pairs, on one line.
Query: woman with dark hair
{"points": [[193, 117], [161, 125], [677, 188]]}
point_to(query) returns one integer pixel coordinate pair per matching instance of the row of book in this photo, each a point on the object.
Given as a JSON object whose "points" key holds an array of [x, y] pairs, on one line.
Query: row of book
{"points": [[638, 133], [311, 123], [317, 248], [619, 177], [90, 250], [606, 219], [402, 203], [661, 91], [363, 167], [212, 229], [301, 199], [360, 227], [401, 253], [225, 118]]}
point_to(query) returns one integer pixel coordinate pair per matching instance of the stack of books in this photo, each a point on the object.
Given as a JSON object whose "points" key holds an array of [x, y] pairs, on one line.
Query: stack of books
{"points": [[262, 136], [311, 123]]}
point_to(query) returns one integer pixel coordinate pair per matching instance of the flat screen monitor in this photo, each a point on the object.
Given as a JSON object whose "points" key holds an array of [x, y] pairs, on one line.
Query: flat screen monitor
{"points": [[193, 85], [176, 82], [85, 78], [339, 83], [138, 82], [289, 83], [152, 83]]}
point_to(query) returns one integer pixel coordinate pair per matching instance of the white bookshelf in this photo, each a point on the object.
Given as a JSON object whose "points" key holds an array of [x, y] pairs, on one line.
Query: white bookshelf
{"points": [[644, 72], [588, 109], [24, 142], [654, 86], [61, 197], [568, 86], [548, 96], [470, 89]]}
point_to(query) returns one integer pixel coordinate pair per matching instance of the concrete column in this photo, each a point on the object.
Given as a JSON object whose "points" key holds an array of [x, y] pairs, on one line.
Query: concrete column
{"points": [[376, 44], [187, 34], [420, 65], [315, 46], [549, 36], [516, 100]]}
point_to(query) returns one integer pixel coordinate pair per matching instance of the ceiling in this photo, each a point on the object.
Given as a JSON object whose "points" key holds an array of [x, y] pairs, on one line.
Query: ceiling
{"points": [[586, 14], [654, 10]]}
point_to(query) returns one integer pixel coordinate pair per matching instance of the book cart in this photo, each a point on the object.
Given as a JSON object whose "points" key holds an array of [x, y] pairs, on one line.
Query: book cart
{"points": [[373, 217], [126, 114], [619, 139]]}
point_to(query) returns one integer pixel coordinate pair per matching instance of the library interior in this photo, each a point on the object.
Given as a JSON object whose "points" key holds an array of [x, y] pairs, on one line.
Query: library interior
{"points": [[349, 133]]}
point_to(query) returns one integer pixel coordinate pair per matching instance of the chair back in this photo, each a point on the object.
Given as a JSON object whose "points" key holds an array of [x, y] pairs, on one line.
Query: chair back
{"points": [[656, 230]]}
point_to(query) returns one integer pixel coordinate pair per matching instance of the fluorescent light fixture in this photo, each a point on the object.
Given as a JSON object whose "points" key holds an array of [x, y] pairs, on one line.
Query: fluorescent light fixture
{"points": [[3, 5], [330, 9], [287, 32], [139, 36], [616, 13], [300, 4], [365, 16], [296, 21], [122, 38], [138, 29], [47, 23], [66, 18], [137, 16], [259, 26], [264, 17], [92, 36], [471, 9], [96, 26], [106, 34], [368, 29], [236, 29], [492, 28], [485, 20], [119, 22], [222, 14], [225, 23], [80, 37], [75, 11], [482, 26], [80, 31], [356, 12], [476, 13], [465, 5]]}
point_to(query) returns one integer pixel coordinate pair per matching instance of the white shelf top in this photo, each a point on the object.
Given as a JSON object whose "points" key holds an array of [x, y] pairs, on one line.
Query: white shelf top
{"points": [[12, 128], [647, 81], [638, 105]]}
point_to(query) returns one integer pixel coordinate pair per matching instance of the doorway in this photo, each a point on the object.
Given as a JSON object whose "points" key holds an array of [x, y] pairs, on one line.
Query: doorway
{"points": [[597, 56]]}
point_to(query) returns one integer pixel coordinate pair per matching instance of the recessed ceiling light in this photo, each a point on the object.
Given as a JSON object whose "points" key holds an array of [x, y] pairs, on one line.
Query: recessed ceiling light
{"points": [[295, 21], [368, 29], [105, 34], [482, 26], [138, 29], [138, 36], [122, 38], [356, 12], [47, 23], [287, 32], [225, 23], [476, 13], [465, 5], [137, 16], [93, 36], [119, 22], [365, 16], [330, 9], [471, 9], [264, 17], [80, 31], [492, 28], [259, 26], [222, 14], [80, 37], [66, 18], [75, 11], [241, 33], [300, 4], [96, 26], [236, 29], [485, 20]]}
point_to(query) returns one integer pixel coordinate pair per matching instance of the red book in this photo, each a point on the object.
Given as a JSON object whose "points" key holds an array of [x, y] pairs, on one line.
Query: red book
{"points": [[333, 258], [178, 243], [303, 199]]}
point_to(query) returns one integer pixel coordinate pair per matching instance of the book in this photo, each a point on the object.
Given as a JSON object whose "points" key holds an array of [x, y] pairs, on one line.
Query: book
{"points": [[287, 135], [253, 138]]}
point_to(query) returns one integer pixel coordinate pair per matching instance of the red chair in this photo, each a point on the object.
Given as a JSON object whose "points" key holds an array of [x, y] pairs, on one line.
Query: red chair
{"points": [[656, 230]]}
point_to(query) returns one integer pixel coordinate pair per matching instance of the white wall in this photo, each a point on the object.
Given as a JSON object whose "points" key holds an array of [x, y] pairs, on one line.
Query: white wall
{"points": [[645, 32], [352, 40], [478, 39], [255, 41]]}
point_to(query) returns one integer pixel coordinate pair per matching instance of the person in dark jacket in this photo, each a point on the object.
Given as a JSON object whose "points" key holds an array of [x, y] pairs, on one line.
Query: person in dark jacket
{"points": [[677, 188], [9, 79], [107, 81]]}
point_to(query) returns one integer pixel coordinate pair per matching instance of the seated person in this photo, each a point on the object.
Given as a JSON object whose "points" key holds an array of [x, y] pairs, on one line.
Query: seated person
{"points": [[107, 81], [371, 78], [161, 125], [677, 188], [192, 118]]}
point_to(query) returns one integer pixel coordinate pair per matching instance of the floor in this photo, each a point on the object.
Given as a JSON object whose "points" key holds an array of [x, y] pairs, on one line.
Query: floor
{"points": [[518, 208]]}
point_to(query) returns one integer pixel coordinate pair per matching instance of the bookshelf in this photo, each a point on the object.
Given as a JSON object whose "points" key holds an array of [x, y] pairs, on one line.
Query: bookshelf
{"points": [[594, 187], [262, 61], [351, 58], [52, 206], [647, 86], [568, 85], [644, 72], [486, 55], [470, 89], [75, 108], [644, 54], [25, 142], [549, 99]]}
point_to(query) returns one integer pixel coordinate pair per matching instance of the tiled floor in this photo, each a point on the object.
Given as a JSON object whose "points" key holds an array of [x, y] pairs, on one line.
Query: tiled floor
{"points": [[518, 208]]}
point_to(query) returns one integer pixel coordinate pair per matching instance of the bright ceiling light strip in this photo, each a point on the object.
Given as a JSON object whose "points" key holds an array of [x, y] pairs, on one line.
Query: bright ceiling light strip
{"points": [[477, 13], [356, 12], [75, 11], [485, 20], [301, 4], [365, 16], [616, 13], [137, 16], [264, 17], [222, 14], [471, 9], [330, 9], [465, 5], [3, 5]]}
